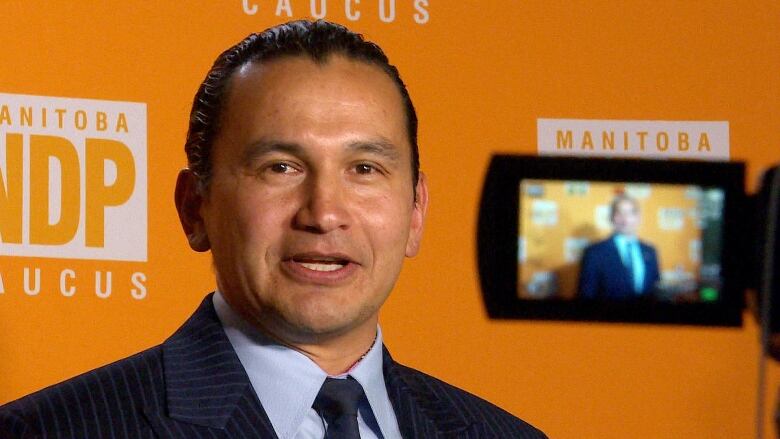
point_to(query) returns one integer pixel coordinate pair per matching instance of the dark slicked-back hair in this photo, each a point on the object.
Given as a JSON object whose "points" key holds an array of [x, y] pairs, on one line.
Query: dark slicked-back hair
{"points": [[317, 40]]}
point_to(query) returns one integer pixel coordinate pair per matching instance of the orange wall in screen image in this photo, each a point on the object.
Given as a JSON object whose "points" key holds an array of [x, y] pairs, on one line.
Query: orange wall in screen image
{"points": [[574, 214]]}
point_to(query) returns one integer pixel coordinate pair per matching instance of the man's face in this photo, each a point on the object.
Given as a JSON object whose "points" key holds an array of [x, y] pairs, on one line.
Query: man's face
{"points": [[310, 209], [626, 218]]}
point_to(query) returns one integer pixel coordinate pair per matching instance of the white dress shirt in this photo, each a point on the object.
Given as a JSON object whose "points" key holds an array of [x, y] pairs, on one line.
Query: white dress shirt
{"points": [[287, 382]]}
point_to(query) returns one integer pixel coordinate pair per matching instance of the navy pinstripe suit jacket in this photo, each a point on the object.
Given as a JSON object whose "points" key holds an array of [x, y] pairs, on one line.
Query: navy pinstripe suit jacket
{"points": [[193, 386]]}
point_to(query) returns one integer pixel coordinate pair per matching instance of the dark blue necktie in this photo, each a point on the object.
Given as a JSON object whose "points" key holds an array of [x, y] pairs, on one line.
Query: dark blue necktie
{"points": [[337, 403]]}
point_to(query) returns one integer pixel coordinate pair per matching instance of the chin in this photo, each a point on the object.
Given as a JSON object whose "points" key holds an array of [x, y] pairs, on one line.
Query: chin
{"points": [[326, 325], [311, 333]]}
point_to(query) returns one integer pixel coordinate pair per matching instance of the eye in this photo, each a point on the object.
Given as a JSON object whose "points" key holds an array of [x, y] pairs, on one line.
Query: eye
{"points": [[364, 168], [281, 168]]}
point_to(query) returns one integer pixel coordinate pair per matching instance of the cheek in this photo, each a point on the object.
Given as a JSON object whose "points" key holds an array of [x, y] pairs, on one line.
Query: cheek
{"points": [[387, 221], [261, 223], [241, 221]]}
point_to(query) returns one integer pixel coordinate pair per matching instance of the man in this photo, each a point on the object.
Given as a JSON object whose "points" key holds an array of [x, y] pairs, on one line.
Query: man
{"points": [[621, 266], [303, 182]]}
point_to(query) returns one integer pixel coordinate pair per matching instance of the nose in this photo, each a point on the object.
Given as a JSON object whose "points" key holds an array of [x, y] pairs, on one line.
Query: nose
{"points": [[324, 207]]}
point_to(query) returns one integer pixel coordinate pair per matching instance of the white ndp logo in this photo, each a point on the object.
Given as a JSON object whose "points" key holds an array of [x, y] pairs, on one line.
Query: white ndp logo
{"points": [[73, 178]]}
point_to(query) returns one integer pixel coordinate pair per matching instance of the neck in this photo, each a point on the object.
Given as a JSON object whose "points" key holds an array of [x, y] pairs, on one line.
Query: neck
{"points": [[334, 353], [338, 357]]}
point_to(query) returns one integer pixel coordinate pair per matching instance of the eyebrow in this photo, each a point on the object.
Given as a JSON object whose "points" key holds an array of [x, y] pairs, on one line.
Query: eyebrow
{"points": [[263, 147], [379, 146]]}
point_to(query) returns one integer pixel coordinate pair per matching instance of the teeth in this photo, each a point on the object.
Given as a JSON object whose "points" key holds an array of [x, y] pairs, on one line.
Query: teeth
{"points": [[333, 266]]}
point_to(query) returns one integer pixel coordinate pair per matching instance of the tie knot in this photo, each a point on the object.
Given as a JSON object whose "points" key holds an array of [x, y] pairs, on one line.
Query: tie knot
{"points": [[338, 397]]}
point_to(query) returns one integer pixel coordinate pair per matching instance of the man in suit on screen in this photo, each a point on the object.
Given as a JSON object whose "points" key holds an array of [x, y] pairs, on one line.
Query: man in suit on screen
{"points": [[303, 181], [621, 266]]}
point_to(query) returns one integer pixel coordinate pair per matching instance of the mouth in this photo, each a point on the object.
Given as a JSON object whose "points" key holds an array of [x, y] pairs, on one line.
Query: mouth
{"points": [[323, 264], [320, 268]]}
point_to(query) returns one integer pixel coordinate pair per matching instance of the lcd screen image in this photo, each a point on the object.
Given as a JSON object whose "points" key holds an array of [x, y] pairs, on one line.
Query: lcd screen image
{"points": [[619, 241]]}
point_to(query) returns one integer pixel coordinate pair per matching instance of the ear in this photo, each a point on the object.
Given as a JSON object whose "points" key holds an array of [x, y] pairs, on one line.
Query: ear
{"points": [[418, 216], [189, 199]]}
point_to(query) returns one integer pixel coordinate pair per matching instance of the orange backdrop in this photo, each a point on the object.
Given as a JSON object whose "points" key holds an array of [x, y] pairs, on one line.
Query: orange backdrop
{"points": [[481, 73]]}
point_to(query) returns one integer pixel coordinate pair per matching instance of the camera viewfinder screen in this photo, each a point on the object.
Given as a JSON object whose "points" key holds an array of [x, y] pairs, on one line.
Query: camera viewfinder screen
{"points": [[590, 240]]}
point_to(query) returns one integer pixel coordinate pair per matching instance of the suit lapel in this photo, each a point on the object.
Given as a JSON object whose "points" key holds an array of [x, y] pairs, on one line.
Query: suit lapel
{"points": [[207, 391], [421, 410]]}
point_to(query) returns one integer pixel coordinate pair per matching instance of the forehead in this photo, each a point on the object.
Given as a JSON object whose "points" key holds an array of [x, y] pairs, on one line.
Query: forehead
{"points": [[626, 205], [294, 92]]}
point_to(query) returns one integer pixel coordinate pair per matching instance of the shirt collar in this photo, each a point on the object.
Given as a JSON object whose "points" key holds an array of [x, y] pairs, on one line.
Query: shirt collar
{"points": [[622, 239], [287, 382]]}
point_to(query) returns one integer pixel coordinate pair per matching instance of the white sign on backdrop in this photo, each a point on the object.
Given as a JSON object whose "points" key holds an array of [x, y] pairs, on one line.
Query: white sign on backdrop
{"points": [[544, 213], [73, 178], [698, 140]]}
